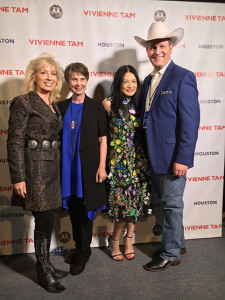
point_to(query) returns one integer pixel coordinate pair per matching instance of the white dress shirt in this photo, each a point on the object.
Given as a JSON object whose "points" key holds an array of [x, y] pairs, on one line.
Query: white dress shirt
{"points": [[156, 77]]}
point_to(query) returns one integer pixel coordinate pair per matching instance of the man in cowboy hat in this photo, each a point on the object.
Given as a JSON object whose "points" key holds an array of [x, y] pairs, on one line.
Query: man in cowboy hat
{"points": [[170, 112]]}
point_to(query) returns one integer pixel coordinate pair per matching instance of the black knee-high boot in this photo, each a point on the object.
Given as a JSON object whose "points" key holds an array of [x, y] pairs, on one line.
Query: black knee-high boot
{"points": [[45, 271]]}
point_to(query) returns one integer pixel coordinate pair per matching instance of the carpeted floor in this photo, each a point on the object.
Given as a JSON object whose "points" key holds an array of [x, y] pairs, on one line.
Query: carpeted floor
{"points": [[200, 276]]}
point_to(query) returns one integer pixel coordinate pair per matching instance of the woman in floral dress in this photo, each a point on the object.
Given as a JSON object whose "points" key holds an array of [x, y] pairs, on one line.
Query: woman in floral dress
{"points": [[128, 180]]}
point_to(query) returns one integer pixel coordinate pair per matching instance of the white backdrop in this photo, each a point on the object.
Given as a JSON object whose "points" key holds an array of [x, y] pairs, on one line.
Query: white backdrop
{"points": [[100, 34]]}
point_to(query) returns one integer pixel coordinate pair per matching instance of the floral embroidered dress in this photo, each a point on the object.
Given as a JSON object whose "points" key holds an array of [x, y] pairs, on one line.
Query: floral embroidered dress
{"points": [[128, 182]]}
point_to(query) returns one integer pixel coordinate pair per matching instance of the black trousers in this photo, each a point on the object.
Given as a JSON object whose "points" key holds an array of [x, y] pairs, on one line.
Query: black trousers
{"points": [[81, 226]]}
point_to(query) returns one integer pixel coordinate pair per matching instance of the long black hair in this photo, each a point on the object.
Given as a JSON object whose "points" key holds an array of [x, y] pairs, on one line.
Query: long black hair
{"points": [[117, 95]]}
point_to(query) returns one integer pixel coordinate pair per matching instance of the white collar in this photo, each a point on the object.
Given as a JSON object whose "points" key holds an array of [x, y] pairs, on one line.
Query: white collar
{"points": [[161, 71]]}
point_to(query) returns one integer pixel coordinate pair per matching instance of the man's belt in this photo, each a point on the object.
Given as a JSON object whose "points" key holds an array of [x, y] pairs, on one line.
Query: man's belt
{"points": [[45, 144]]}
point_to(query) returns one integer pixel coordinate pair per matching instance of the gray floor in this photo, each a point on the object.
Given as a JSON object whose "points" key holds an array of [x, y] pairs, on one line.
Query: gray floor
{"points": [[200, 276]]}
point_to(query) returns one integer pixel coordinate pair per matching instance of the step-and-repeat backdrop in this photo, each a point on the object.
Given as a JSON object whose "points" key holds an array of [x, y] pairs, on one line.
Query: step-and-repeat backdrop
{"points": [[100, 34]]}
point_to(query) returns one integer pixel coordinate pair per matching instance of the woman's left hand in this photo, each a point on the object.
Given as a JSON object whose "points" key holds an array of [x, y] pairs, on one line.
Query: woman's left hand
{"points": [[100, 175]]}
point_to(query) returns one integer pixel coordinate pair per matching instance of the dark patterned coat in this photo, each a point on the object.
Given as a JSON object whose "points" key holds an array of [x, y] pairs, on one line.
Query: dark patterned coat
{"points": [[93, 126], [31, 118]]}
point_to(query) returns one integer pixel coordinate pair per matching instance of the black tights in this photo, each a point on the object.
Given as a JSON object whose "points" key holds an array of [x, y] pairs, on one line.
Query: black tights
{"points": [[81, 225], [44, 221]]}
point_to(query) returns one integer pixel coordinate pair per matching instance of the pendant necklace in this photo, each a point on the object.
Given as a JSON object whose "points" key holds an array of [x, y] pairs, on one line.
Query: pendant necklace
{"points": [[73, 125]]}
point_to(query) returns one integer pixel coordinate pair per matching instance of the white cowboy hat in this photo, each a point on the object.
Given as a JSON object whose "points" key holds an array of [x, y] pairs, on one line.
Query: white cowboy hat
{"points": [[157, 31]]}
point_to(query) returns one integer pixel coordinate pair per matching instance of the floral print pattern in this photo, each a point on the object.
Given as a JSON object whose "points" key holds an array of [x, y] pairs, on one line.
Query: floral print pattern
{"points": [[128, 182]]}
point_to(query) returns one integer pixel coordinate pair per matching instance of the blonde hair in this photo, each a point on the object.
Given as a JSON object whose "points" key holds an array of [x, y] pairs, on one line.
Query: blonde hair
{"points": [[34, 66]]}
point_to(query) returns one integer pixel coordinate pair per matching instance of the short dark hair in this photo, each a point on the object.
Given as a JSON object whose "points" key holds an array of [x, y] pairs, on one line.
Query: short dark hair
{"points": [[76, 68]]}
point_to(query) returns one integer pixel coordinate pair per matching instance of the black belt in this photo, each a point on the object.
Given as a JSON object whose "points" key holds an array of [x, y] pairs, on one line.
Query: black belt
{"points": [[45, 144]]}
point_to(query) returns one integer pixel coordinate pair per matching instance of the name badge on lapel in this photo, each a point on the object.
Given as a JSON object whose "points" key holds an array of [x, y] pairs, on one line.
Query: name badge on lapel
{"points": [[166, 92]]}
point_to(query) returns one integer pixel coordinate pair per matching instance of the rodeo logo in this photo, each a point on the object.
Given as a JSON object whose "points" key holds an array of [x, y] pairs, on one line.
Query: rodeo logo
{"points": [[56, 11], [160, 15], [64, 237]]}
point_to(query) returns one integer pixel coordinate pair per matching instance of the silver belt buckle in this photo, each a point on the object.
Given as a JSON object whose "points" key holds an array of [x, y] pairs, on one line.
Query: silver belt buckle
{"points": [[46, 145], [55, 145], [32, 144]]}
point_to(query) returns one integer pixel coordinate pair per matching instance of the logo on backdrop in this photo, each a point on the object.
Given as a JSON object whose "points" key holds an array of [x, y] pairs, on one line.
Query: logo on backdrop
{"points": [[210, 101], [14, 9], [3, 160], [207, 153], [4, 131], [205, 178], [64, 237], [5, 102], [56, 43], [108, 14], [203, 18], [6, 188], [12, 72], [203, 227], [209, 74], [211, 127], [11, 215], [56, 11], [211, 46], [205, 203], [111, 45], [101, 74], [6, 41], [160, 15], [157, 230], [180, 46]]}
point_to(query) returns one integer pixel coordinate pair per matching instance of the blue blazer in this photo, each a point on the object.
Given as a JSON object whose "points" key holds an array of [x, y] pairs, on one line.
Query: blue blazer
{"points": [[173, 119]]}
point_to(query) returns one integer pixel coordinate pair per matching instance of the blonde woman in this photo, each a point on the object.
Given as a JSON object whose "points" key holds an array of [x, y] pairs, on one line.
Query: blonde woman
{"points": [[34, 158]]}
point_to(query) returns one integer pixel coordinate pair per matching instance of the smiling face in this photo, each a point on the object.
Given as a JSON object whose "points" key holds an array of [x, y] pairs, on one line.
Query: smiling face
{"points": [[78, 84], [159, 52], [129, 84], [46, 79]]}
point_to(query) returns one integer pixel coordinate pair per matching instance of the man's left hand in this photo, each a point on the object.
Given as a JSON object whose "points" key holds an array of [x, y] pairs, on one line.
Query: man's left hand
{"points": [[179, 169]]}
